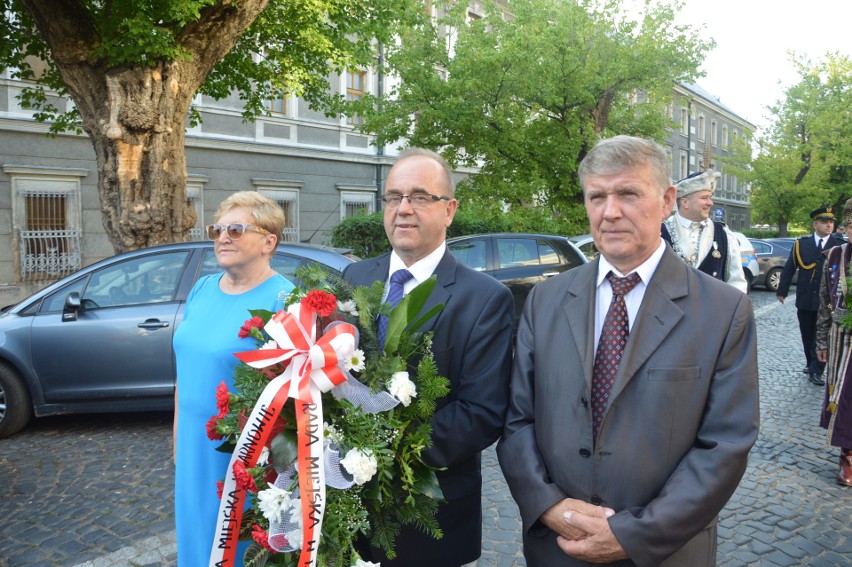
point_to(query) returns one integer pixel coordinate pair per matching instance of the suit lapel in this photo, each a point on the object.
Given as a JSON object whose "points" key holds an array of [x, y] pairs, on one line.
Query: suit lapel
{"points": [[441, 293], [580, 298], [656, 318]]}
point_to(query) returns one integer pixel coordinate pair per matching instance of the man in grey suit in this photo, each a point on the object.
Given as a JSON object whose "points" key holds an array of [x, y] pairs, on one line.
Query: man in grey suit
{"points": [[472, 345], [644, 484]]}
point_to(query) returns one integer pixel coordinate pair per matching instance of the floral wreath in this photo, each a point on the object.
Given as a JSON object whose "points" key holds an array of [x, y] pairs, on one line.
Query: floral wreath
{"points": [[343, 462]]}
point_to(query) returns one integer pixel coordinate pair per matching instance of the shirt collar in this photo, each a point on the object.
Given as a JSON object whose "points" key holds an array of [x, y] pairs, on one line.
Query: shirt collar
{"points": [[686, 223], [423, 268], [645, 270]]}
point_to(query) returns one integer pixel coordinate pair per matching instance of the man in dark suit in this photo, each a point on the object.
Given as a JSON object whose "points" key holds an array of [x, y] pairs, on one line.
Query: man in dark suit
{"points": [[806, 257], [624, 439], [472, 345]]}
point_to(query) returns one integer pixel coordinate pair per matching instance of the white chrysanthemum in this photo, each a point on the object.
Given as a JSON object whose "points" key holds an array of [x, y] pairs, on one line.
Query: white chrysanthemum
{"points": [[360, 464], [347, 307], [263, 458], [402, 388], [269, 344], [273, 502], [362, 563], [294, 538], [355, 361]]}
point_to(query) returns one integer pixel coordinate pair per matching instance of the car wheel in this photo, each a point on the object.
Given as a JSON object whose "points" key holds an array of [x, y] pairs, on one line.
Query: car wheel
{"points": [[749, 278], [773, 279], [15, 405]]}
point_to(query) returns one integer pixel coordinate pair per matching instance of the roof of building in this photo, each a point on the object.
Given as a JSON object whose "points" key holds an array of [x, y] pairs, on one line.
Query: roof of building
{"points": [[697, 90]]}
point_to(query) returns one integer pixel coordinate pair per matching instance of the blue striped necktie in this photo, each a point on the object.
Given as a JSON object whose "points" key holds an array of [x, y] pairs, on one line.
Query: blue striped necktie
{"points": [[395, 293]]}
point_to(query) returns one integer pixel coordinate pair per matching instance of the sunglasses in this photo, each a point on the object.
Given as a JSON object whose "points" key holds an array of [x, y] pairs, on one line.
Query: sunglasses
{"points": [[235, 231]]}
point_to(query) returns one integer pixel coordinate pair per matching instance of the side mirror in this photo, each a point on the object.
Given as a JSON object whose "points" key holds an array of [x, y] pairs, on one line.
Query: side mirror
{"points": [[72, 307]]}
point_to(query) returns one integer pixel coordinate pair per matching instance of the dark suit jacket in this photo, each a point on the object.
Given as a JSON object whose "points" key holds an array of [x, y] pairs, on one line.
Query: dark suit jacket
{"points": [[682, 417], [472, 345], [809, 262]]}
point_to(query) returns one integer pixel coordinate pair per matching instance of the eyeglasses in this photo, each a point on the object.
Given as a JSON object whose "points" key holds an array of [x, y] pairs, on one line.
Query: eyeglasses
{"points": [[417, 200], [235, 231]]}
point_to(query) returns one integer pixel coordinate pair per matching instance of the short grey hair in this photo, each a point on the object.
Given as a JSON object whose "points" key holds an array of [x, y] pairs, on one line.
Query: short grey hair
{"points": [[449, 182], [619, 153], [267, 214]]}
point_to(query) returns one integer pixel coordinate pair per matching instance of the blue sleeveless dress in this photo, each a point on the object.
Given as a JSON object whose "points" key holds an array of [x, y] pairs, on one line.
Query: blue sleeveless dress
{"points": [[204, 344]]}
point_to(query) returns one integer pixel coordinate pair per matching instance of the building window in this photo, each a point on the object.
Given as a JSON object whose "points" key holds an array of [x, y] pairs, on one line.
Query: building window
{"points": [[725, 141], [713, 133], [684, 120], [286, 194], [356, 82], [683, 165], [356, 200], [700, 126], [47, 216], [280, 105], [195, 200]]}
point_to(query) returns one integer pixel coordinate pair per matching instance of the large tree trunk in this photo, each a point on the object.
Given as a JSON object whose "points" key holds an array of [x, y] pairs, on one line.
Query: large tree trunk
{"points": [[138, 136], [135, 114]]}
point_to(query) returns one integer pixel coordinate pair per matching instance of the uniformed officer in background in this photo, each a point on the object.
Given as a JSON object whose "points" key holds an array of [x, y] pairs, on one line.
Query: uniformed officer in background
{"points": [[806, 257]]}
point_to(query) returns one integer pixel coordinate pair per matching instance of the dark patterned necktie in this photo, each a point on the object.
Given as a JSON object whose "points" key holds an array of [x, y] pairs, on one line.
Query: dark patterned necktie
{"points": [[395, 288], [610, 346], [819, 246]]}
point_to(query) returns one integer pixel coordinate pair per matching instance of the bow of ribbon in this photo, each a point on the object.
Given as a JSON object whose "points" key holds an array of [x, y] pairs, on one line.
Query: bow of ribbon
{"points": [[309, 362]]}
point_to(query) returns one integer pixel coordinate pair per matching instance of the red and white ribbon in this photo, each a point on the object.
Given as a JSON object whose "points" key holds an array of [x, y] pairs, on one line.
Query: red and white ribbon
{"points": [[313, 368]]}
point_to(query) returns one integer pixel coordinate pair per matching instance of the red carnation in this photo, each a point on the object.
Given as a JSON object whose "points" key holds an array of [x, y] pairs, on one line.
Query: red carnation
{"points": [[222, 399], [261, 537], [245, 481], [322, 302], [212, 434], [253, 323], [220, 487]]}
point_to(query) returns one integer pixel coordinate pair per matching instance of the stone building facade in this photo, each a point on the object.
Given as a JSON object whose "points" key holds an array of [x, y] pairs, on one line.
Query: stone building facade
{"points": [[705, 129], [319, 169]]}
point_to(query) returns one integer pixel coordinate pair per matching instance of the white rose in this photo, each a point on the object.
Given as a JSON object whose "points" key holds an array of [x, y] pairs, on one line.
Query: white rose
{"points": [[360, 464], [402, 388]]}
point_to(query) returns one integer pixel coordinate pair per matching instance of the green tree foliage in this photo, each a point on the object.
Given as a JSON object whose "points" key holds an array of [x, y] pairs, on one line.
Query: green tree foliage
{"points": [[132, 68], [524, 95], [805, 158]]}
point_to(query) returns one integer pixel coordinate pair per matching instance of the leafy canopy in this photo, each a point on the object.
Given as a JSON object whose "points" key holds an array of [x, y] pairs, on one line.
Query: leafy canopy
{"points": [[524, 92]]}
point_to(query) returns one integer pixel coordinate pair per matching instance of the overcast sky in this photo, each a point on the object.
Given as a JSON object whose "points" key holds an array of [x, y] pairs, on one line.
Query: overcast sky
{"points": [[749, 68]]}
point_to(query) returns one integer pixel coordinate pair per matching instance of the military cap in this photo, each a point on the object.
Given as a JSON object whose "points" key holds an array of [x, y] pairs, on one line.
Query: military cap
{"points": [[698, 181], [823, 213]]}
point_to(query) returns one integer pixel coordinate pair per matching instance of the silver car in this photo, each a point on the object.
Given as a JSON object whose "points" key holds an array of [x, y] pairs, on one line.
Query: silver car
{"points": [[100, 340]]}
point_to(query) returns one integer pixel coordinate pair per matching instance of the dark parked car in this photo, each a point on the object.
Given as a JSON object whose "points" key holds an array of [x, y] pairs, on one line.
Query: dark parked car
{"points": [[518, 260], [100, 340], [772, 254]]}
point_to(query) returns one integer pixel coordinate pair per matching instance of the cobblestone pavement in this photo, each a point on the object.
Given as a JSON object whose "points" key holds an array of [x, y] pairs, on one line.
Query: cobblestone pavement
{"points": [[96, 491]]}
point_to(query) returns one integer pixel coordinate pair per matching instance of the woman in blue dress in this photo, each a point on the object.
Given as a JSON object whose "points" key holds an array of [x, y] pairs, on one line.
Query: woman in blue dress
{"points": [[245, 237]]}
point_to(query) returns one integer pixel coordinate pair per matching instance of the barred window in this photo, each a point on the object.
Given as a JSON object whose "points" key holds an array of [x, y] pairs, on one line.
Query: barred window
{"points": [[48, 248], [46, 212], [356, 200], [286, 194]]}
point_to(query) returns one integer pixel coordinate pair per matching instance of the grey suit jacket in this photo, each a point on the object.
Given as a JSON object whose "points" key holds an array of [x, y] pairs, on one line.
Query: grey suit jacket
{"points": [[682, 417]]}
